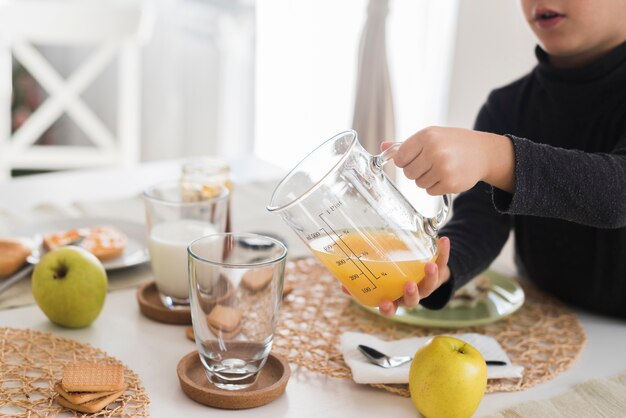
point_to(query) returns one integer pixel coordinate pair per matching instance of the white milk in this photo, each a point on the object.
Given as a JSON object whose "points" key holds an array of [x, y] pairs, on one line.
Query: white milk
{"points": [[167, 244]]}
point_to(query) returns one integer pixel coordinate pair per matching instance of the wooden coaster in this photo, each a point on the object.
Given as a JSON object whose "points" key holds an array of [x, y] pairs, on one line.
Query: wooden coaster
{"points": [[269, 386], [151, 306]]}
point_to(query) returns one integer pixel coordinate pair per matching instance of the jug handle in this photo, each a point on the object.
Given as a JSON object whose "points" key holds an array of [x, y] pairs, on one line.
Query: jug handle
{"points": [[431, 225]]}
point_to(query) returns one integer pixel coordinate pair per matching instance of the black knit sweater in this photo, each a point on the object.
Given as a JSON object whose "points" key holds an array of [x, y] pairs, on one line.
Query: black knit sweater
{"points": [[568, 211]]}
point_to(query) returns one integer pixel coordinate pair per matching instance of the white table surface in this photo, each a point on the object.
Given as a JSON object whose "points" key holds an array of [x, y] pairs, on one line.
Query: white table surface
{"points": [[153, 349]]}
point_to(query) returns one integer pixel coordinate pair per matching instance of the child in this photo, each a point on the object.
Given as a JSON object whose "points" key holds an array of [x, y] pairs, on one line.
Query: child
{"points": [[547, 158]]}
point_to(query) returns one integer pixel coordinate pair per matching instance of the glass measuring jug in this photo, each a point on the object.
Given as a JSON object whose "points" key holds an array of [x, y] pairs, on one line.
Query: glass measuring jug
{"points": [[343, 206]]}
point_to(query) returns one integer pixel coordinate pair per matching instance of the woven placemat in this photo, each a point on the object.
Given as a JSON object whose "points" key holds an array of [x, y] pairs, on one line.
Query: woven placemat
{"points": [[543, 335], [32, 361]]}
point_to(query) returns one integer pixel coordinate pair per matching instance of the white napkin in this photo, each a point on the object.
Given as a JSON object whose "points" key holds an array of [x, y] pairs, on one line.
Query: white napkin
{"points": [[365, 372]]}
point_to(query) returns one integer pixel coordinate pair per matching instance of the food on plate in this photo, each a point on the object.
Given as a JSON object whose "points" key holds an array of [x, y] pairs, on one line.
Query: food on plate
{"points": [[473, 292], [469, 295], [13, 254], [69, 285], [447, 378], [90, 387], [105, 242]]}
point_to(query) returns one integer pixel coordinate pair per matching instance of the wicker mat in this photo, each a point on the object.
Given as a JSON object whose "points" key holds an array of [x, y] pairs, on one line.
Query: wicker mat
{"points": [[31, 362], [543, 335]]}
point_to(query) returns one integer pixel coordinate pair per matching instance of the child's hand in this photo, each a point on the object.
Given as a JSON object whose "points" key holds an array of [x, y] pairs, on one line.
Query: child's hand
{"points": [[436, 274], [452, 160]]}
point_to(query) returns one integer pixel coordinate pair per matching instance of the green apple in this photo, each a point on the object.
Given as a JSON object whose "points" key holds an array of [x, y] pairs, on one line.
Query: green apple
{"points": [[447, 378], [69, 285]]}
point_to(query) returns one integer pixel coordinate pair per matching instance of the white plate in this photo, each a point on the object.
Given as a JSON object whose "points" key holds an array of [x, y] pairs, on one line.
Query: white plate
{"points": [[135, 252]]}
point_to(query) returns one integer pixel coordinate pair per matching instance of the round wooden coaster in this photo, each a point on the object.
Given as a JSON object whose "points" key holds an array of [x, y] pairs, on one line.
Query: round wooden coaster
{"points": [[151, 306], [269, 386]]}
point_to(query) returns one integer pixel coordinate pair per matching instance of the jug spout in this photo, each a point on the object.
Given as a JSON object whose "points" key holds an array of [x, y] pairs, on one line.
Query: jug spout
{"points": [[310, 174]]}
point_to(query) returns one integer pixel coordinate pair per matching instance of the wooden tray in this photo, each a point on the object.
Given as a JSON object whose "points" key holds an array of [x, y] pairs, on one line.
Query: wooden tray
{"points": [[269, 386]]}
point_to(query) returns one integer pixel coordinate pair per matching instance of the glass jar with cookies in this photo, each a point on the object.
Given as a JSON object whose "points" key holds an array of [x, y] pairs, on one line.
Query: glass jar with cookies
{"points": [[201, 178]]}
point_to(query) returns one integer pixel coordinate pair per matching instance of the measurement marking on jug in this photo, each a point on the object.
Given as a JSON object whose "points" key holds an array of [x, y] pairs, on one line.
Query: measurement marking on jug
{"points": [[352, 257], [313, 235], [332, 207]]}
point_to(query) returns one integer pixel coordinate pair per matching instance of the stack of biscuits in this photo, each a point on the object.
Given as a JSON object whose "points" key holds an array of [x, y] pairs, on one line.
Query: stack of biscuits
{"points": [[90, 387]]}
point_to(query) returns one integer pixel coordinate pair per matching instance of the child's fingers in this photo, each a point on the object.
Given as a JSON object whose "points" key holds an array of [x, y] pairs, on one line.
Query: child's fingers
{"points": [[428, 179], [443, 252], [386, 144], [387, 308], [430, 282], [411, 295], [417, 168]]}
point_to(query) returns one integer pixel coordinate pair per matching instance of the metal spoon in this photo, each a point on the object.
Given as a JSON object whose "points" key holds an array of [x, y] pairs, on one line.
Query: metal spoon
{"points": [[385, 361]]}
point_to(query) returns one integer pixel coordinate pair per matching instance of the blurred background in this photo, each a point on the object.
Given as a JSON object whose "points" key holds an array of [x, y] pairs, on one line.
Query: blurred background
{"points": [[86, 83]]}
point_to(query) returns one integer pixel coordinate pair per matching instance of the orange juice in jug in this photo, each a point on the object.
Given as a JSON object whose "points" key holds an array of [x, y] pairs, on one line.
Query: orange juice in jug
{"points": [[373, 265]]}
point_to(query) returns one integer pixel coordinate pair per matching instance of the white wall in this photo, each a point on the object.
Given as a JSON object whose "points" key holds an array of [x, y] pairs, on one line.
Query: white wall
{"points": [[198, 79], [306, 81], [494, 46]]}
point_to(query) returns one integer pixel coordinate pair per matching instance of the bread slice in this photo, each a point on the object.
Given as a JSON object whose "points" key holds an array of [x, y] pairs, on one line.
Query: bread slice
{"points": [[13, 254]]}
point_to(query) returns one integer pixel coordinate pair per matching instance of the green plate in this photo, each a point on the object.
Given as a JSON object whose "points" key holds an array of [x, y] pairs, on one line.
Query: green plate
{"points": [[505, 296]]}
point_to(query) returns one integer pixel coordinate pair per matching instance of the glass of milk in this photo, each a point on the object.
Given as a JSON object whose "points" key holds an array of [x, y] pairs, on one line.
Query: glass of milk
{"points": [[173, 221]]}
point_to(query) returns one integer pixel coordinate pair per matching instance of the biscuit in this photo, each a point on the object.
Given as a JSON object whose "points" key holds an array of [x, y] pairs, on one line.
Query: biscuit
{"points": [[189, 333], [92, 377], [78, 398], [226, 335], [92, 406], [224, 318], [13, 254], [256, 280], [287, 288]]}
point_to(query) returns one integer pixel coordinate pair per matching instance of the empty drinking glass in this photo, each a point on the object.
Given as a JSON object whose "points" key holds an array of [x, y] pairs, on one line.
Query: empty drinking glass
{"points": [[235, 286]]}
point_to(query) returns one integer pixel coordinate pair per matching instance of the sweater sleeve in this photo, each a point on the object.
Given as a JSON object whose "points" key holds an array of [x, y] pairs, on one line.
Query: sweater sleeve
{"points": [[477, 232], [572, 185]]}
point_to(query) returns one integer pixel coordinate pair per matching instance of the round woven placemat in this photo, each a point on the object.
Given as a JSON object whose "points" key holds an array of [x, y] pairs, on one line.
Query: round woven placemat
{"points": [[32, 361], [543, 335]]}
